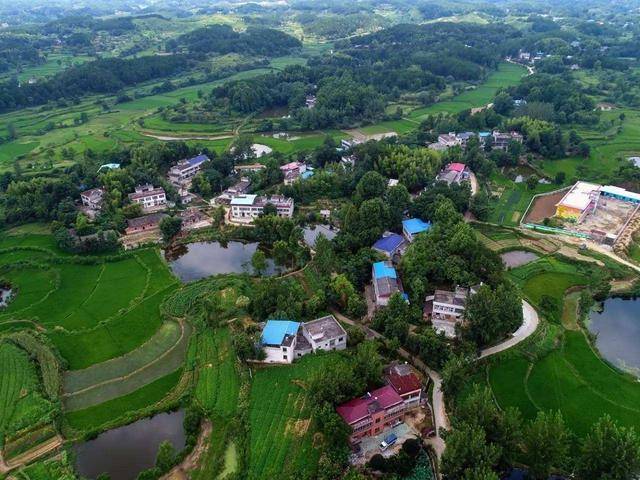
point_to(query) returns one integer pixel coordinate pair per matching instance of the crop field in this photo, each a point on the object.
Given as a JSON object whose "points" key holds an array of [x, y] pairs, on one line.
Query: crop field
{"points": [[507, 75], [94, 417], [281, 438], [162, 354], [557, 369], [217, 382], [21, 401]]}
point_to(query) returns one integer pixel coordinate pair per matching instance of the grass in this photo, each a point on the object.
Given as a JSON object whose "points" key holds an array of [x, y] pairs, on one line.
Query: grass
{"points": [[94, 417], [281, 437], [217, 383]]}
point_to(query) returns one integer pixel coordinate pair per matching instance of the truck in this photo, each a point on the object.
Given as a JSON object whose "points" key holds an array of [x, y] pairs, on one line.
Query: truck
{"points": [[388, 441]]}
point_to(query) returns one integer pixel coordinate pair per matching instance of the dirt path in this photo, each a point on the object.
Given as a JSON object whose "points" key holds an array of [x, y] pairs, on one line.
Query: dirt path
{"points": [[30, 455], [169, 138], [191, 461]]}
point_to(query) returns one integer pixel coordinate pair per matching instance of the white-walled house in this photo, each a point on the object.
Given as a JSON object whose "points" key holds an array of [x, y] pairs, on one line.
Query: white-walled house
{"points": [[283, 341]]}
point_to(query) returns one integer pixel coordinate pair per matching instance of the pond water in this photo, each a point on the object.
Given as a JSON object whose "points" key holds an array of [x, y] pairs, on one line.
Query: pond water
{"points": [[202, 259], [5, 297], [311, 233], [617, 327], [126, 451], [515, 258]]}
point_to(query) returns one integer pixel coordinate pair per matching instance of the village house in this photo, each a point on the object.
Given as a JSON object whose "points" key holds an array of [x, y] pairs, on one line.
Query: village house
{"points": [[283, 341], [240, 188], [146, 223], [406, 383], [182, 172], [501, 140], [390, 245], [346, 144], [449, 140], [385, 283], [92, 199], [454, 173], [310, 101], [293, 171], [148, 197], [373, 413], [244, 208], [446, 309], [348, 160], [413, 226], [192, 219]]}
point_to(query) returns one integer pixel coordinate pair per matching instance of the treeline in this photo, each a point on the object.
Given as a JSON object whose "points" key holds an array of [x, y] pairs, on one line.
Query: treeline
{"points": [[107, 75], [222, 39], [70, 25], [17, 50]]}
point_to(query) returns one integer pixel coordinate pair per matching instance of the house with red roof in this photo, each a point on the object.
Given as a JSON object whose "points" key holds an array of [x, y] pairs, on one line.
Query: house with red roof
{"points": [[406, 383], [373, 413], [454, 173]]}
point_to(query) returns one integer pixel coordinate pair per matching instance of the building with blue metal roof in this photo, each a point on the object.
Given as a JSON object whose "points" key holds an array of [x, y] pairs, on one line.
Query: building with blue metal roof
{"points": [[390, 244], [385, 282], [275, 332], [414, 226]]}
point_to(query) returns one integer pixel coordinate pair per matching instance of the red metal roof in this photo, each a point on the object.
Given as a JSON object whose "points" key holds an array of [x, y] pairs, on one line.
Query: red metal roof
{"points": [[359, 408], [404, 384]]}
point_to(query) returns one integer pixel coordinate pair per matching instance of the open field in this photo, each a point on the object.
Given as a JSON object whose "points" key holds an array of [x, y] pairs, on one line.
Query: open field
{"points": [[507, 75], [281, 440]]}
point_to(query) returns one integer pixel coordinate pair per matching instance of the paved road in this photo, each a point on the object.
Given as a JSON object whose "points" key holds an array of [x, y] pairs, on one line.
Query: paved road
{"points": [[441, 419], [529, 325]]}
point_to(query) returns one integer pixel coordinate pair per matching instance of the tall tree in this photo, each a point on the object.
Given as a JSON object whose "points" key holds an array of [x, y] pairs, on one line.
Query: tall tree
{"points": [[609, 452], [547, 444]]}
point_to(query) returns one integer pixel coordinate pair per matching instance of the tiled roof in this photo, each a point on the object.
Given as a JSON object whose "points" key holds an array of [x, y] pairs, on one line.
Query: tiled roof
{"points": [[403, 381], [359, 408], [456, 167]]}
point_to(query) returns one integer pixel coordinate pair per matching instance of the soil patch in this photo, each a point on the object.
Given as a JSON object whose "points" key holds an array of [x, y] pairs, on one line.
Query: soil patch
{"points": [[543, 207]]}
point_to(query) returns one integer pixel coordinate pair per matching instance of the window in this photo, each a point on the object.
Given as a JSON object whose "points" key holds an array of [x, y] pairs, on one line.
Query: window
{"points": [[284, 357], [341, 339]]}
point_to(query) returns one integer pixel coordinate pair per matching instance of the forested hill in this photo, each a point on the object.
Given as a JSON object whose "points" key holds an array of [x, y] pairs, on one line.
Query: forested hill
{"points": [[101, 76], [460, 50], [222, 39]]}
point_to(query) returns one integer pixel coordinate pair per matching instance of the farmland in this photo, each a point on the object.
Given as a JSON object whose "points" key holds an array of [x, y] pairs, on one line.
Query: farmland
{"points": [[281, 440], [557, 369]]}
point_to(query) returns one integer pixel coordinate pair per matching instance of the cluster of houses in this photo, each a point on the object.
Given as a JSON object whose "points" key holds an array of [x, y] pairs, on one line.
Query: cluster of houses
{"points": [[499, 140], [454, 173], [285, 341]]}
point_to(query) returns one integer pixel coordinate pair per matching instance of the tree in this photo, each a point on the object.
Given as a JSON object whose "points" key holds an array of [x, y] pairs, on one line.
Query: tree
{"points": [[560, 178], [532, 182], [368, 364], [467, 452], [170, 227], [503, 103], [371, 185], [324, 259], [259, 262], [547, 444], [609, 452], [166, 457]]}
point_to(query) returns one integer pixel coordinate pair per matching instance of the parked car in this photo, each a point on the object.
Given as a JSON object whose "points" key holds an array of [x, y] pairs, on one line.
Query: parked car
{"points": [[388, 441]]}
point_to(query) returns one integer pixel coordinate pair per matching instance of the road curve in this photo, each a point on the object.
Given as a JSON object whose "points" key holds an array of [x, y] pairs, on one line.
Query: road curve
{"points": [[529, 325]]}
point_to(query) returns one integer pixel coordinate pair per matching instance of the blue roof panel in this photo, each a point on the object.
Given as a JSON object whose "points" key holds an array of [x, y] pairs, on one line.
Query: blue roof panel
{"points": [[383, 270], [197, 160], [415, 225], [275, 331], [389, 243]]}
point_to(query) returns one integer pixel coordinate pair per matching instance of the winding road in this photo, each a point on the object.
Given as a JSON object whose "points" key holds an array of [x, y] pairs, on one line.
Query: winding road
{"points": [[529, 325]]}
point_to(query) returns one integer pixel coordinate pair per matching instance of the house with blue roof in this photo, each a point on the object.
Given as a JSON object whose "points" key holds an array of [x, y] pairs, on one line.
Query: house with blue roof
{"points": [[385, 282], [283, 341], [390, 244], [414, 226], [182, 172]]}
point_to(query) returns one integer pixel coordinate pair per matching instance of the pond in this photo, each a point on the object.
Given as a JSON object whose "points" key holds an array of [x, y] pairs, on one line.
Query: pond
{"points": [[516, 258], [617, 326], [124, 452], [5, 297], [202, 259], [311, 233]]}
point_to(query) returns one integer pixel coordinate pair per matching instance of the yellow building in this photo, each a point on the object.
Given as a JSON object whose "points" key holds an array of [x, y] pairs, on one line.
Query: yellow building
{"points": [[578, 201]]}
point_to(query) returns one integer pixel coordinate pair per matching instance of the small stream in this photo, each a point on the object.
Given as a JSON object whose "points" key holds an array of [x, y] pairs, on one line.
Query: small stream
{"points": [[5, 296]]}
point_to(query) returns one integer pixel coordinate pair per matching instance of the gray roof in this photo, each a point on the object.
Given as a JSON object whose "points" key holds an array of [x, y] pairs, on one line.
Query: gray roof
{"points": [[457, 298], [324, 328], [387, 286]]}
